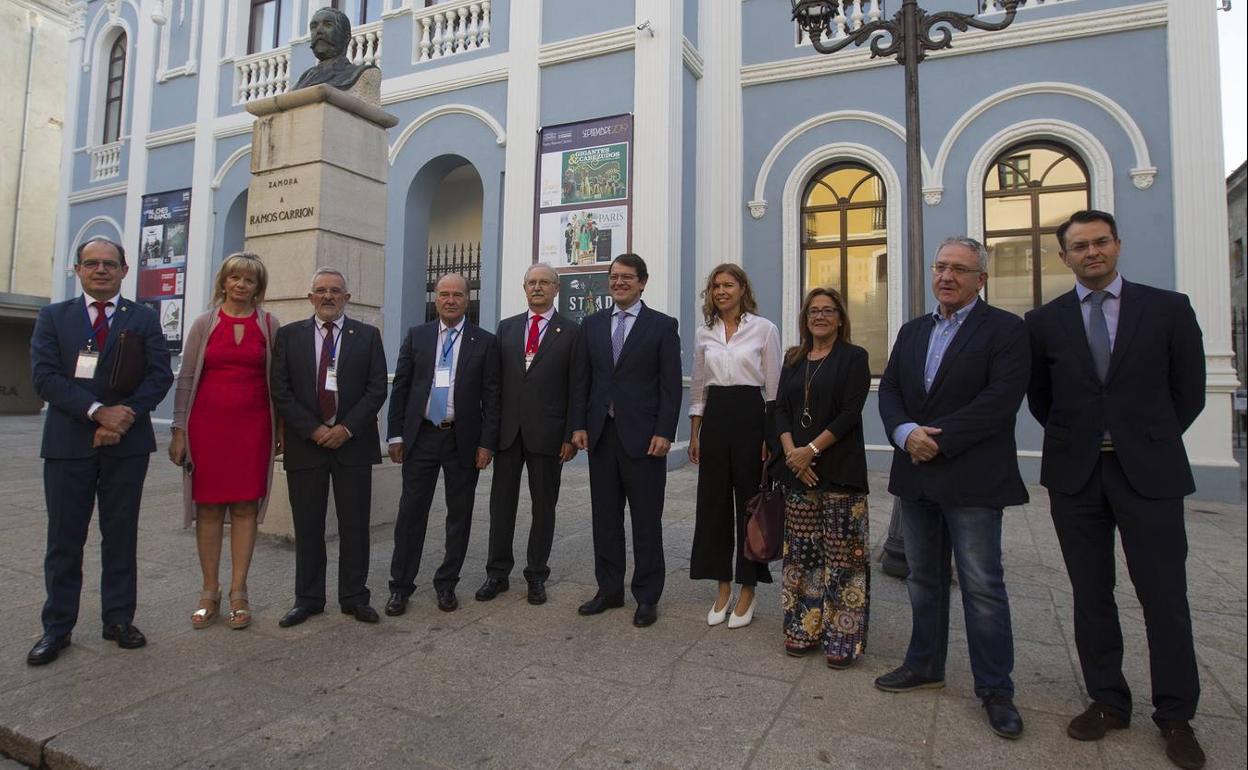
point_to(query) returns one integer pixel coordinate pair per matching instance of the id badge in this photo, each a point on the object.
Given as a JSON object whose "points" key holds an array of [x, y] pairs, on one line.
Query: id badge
{"points": [[85, 370], [331, 379], [441, 378]]}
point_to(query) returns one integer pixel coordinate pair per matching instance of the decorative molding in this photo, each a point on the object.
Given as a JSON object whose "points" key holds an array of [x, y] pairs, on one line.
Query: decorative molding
{"points": [[790, 207], [100, 22], [448, 109], [758, 206], [97, 194], [163, 71], [169, 136], [235, 124], [1066, 27], [78, 21], [219, 178], [395, 91], [1143, 178], [82, 231], [693, 59], [1093, 152], [587, 46]]}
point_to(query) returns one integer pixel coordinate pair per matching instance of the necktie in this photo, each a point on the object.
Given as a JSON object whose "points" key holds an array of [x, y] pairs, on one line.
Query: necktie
{"points": [[325, 397], [438, 397], [100, 326], [617, 337], [1098, 334], [530, 347]]}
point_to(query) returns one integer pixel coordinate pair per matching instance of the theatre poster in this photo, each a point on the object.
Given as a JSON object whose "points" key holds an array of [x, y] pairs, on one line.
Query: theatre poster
{"points": [[163, 231]]}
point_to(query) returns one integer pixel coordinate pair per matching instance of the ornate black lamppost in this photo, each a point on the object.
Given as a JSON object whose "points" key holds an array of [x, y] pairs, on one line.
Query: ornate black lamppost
{"points": [[908, 36]]}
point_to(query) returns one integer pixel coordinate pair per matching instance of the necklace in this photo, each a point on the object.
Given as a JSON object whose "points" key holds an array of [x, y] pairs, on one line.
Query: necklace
{"points": [[806, 419]]}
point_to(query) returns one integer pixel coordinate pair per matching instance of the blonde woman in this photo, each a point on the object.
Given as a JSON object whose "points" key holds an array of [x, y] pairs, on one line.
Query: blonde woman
{"points": [[224, 431]]}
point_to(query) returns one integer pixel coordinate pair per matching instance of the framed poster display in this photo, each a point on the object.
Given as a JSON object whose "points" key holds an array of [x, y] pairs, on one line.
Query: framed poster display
{"points": [[163, 224]]}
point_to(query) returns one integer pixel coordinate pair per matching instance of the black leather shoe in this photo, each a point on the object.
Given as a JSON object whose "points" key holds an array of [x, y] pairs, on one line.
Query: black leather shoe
{"points": [[396, 605], [1003, 717], [645, 615], [600, 604], [1181, 745], [491, 588], [46, 649], [1094, 722], [447, 601], [127, 636], [297, 615], [537, 592], [902, 679], [362, 613]]}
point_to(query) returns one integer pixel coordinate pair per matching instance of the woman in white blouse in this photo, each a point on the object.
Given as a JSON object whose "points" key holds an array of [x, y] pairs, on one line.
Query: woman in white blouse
{"points": [[736, 368]]}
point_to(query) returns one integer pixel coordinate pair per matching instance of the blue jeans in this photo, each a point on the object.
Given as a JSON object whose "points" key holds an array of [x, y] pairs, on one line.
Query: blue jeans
{"points": [[972, 536]]}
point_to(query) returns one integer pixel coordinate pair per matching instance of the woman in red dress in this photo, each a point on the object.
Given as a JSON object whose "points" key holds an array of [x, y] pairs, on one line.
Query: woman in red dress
{"points": [[224, 431]]}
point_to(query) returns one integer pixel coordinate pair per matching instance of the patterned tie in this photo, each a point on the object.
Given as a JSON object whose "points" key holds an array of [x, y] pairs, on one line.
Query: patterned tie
{"points": [[1098, 334], [530, 347], [438, 397], [100, 326], [324, 396], [617, 337]]}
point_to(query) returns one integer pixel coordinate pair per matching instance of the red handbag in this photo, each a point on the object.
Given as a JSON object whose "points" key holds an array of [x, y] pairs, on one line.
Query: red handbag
{"points": [[764, 527]]}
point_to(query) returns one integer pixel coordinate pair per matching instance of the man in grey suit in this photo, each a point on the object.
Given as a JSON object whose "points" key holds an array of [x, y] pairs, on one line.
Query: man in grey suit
{"points": [[537, 363]]}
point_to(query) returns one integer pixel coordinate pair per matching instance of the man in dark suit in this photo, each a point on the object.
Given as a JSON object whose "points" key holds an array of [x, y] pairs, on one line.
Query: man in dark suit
{"points": [[948, 398], [537, 351], [1118, 374], [328, 382], [630, 360], [443, 415], [97, 440]]}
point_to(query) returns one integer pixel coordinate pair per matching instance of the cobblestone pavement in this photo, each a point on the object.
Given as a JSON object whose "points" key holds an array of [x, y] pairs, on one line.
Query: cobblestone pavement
{"points": [[505, 684]]}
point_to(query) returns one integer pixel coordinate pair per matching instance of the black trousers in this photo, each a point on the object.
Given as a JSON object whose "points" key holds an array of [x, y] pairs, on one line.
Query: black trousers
{"points": [[309, 500], [731, 441], [545, 472], [71, 488], [1155, 543], [614, 479], [433, 450]]}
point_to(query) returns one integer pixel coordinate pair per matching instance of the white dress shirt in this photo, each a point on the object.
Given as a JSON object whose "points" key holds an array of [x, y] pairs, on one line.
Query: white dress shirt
{"points": [[110, 309], [335, 351], [541, 325], [443, 330], [751, 357], [1110, 306], [633, 310]]}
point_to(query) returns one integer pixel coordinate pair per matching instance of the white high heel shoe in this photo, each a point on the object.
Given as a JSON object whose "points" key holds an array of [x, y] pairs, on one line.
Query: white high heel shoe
{"points": [[715, 617], [740, 621]]}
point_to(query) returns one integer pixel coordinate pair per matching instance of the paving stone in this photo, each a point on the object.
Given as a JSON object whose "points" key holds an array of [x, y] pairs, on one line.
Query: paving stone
{"points": [[808, 743]]}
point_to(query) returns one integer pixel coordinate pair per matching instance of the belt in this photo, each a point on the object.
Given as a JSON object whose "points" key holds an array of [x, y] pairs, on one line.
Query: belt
{"points": [[444, 425]]}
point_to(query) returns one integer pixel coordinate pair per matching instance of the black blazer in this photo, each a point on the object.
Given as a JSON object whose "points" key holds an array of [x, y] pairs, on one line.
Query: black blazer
{"points": [[974, 400], [644, 386], [1155, 389], [476, 388], [838, 391], [536, 401], [61, 331], [361, 367]]}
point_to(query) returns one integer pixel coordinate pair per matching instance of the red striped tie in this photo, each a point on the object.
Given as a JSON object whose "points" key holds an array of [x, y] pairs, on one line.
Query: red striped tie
{"points": [[100, 326]]}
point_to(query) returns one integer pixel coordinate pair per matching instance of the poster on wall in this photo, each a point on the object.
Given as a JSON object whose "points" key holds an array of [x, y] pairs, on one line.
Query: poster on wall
{"points": [[584, 202], [163, 227], [582, 294]]}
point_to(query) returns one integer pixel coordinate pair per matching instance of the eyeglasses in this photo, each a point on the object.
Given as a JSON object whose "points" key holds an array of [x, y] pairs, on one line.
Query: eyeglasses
{"points": [[95, 264], [821, 312], [617, 278], [535, 282], [321, 291], [941, 267], [1082, 247]]}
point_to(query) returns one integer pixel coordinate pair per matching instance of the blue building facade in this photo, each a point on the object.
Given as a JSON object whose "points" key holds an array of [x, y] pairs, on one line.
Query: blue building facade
{"points": [[746, 147]]}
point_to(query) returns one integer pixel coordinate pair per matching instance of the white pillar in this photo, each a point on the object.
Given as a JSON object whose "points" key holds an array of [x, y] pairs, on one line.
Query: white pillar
{"points": [[1200, 215], [69, 138], [145, 46], [657, 151], [720, 198], [524, 90], [200, 245]]}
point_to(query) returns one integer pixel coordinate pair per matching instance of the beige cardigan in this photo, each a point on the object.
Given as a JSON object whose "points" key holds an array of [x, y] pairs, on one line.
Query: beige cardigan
{"points": [[188, 386]]}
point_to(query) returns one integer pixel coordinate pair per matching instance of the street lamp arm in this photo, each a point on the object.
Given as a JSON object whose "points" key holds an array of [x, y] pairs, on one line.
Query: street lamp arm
{"points": [[877, 32], [936, 29]]}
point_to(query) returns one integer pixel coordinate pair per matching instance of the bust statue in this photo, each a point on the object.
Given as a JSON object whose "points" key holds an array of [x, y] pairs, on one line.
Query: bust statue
{"points": [[330, 32]]}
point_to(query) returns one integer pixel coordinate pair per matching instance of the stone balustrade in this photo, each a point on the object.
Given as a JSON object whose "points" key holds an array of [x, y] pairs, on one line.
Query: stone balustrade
{"points": [[105, 161], [850, 16], [447, 29], [365, 45], [263, 74]]}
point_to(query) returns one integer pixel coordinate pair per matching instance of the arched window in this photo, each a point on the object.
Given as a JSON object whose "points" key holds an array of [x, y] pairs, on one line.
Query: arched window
{"points": [[845, 247], [114, 90], [1029, 190]]}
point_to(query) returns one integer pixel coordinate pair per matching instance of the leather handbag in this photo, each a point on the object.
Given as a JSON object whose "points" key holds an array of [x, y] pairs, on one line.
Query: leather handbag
{"points": [[764, 527]]}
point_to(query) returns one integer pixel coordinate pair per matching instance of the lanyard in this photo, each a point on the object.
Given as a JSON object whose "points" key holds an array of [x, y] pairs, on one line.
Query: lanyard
{"points": [[332, 339], [448, 347]]}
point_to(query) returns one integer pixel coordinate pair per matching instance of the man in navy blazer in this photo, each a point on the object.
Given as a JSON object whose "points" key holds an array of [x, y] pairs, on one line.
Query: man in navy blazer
{"points": [[626, 418], [1117, 376], [443, 416], [948, 398], [97, 441]]}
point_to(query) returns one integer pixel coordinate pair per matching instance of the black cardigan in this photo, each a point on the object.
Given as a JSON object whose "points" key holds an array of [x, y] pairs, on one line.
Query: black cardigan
{"points": [[838, 391]]}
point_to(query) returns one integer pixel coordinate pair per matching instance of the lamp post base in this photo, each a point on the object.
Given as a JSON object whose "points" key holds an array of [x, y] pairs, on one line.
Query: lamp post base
{"points": [[893, 559]]}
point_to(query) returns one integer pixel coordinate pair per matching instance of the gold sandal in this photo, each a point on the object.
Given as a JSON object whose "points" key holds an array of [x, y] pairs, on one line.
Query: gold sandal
{"points": [[238, 617], [209, 607]]}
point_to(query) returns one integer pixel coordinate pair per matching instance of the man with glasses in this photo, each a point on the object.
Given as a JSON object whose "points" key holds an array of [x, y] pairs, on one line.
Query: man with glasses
{"points": [[443, 417], [1118, 375], [328, 382], [626, 417], [537, 365], [101, 363], [949, 397]]}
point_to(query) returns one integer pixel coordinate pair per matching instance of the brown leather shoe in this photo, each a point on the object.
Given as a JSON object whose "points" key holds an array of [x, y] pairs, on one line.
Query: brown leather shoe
{"points": [[1181, 745], [1093, 723]]}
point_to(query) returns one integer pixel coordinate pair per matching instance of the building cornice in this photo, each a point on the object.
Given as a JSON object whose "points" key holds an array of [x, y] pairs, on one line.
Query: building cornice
{"points": [[587, 46], [97, 193], [54, 10], [169, 136], [392, 93]]}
